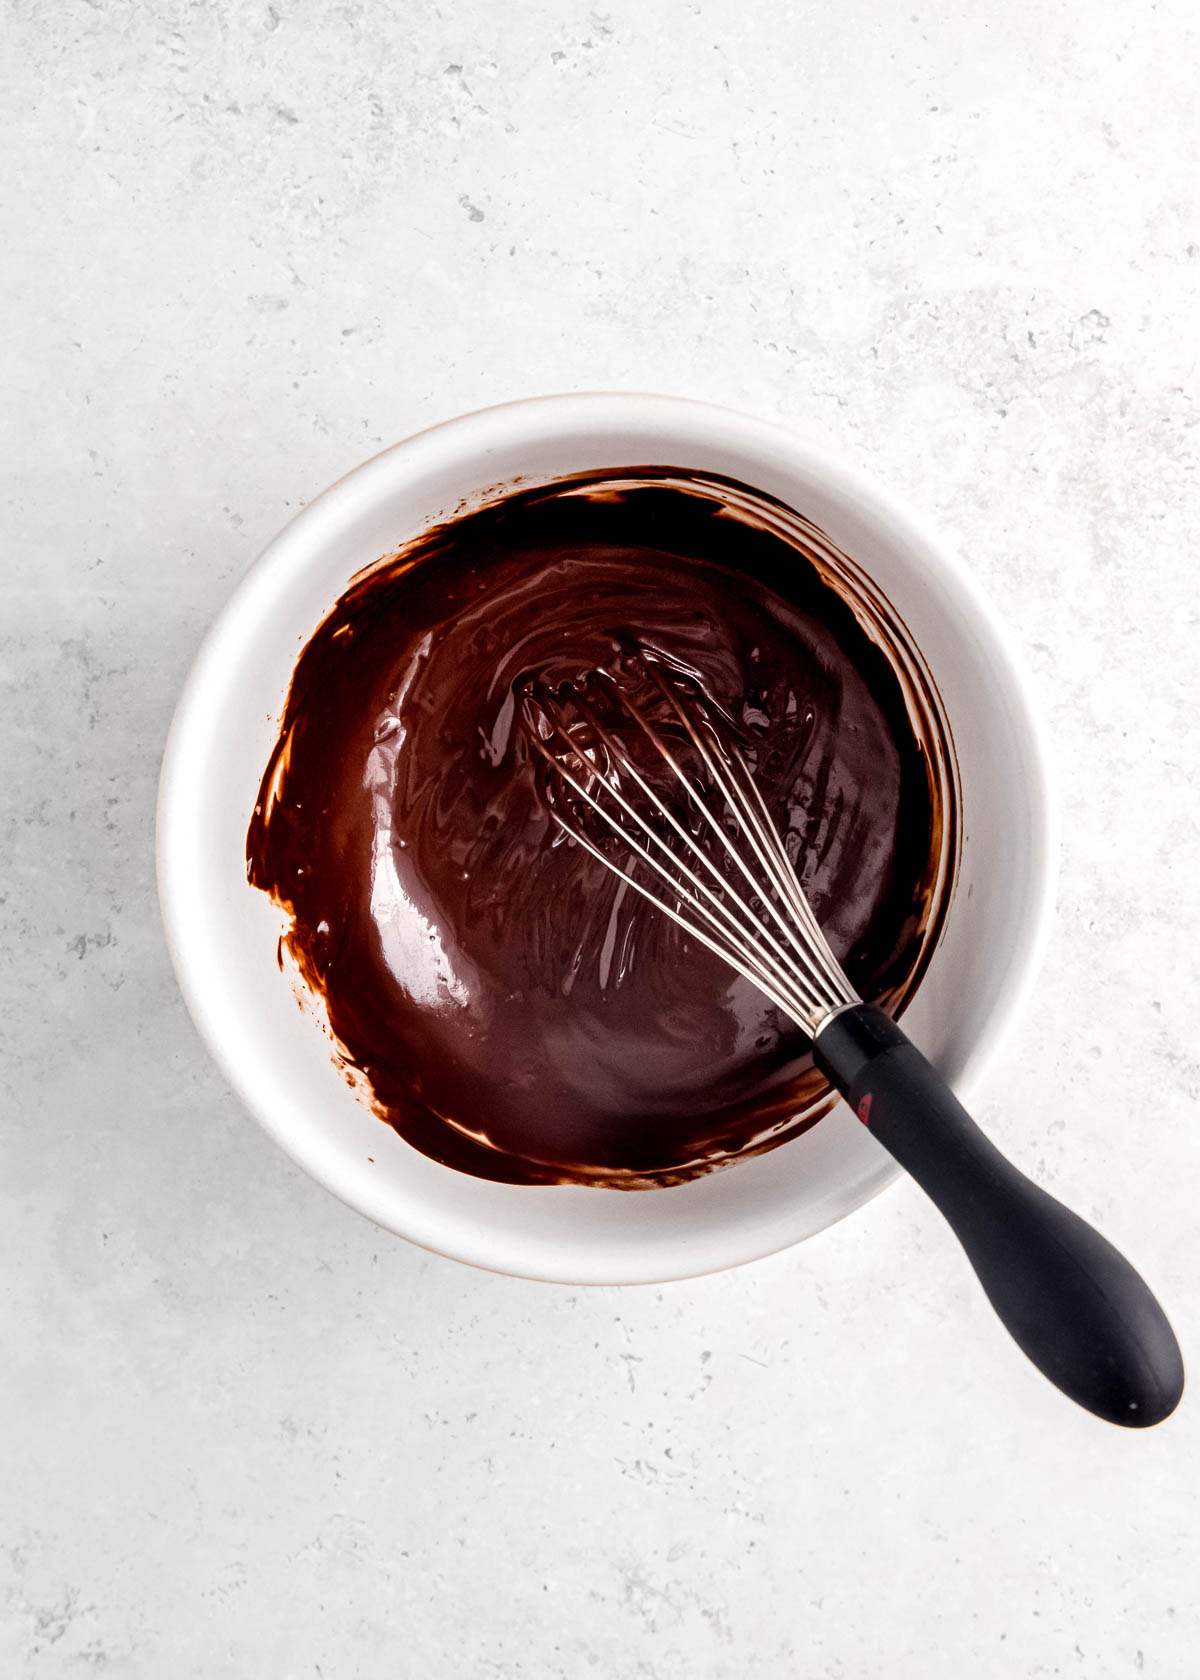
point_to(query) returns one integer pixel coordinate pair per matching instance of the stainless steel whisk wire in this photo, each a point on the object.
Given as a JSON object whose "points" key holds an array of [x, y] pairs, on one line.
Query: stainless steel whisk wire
{"points": [[792, 966]]}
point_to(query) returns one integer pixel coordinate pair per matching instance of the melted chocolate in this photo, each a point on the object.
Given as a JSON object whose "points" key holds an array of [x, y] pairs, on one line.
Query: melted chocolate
{"points": [[516, 1012]]}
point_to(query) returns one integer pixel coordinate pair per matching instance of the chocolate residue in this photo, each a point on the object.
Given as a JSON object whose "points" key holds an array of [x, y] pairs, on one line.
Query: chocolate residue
{"points": [[517, 1012]]}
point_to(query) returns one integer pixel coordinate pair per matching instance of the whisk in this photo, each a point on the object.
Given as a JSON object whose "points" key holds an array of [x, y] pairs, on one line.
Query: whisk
{"points": [[661, 794]]}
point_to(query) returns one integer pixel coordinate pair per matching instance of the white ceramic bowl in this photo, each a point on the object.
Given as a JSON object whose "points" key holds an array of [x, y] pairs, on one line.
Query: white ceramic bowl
{"points": [[222, 933]]}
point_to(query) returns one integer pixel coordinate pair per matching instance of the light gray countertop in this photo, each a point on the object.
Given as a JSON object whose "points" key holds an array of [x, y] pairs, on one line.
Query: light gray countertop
{"points": [[245, 1433]]}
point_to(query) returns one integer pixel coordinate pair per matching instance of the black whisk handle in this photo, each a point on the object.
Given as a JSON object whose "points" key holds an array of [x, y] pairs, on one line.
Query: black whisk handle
{"points": [[1073, 1304]]}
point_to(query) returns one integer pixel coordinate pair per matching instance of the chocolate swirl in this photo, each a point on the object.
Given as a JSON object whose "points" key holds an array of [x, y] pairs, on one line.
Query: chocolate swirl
{"points": [[516, 1011]]}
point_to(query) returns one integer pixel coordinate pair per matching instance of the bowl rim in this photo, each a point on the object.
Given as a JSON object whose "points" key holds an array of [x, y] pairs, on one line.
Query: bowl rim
{"points": [[646, 410]]}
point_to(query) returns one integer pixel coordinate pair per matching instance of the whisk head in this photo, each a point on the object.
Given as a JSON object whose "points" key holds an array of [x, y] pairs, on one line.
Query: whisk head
{"points": [[663, 797]]}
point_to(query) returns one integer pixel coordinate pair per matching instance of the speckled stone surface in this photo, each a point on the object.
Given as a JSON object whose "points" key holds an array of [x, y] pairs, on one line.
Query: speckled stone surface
{"points": [[244, 1433]]}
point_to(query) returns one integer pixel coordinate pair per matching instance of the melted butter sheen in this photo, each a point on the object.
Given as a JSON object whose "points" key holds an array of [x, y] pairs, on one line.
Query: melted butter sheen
{"points": [[517, 1012]]}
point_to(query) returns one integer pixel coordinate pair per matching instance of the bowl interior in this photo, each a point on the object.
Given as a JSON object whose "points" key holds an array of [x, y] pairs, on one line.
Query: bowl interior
{"points": [[277, 1055]]}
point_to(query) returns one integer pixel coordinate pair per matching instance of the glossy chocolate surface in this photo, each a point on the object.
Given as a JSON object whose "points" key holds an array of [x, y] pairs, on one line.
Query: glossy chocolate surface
{"points": [[516, 1013]]}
